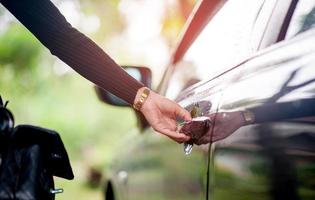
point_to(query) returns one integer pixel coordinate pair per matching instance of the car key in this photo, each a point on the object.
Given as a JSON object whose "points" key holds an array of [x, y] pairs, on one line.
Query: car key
{"points": [[188, 148], [187, 145], [195, 128], [196, 109], [194, 113]]}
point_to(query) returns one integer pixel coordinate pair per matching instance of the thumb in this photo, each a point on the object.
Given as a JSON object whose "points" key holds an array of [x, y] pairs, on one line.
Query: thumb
{"points": [[182, 113]]}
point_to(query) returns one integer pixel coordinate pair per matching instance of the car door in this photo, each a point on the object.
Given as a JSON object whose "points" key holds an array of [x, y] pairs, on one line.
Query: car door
{"points": [[211, 54], [152, 167], [272, 159]]}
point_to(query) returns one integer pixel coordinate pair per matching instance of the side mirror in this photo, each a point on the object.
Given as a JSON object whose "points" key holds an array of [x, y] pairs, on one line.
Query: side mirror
{"points": [[142, 74]]}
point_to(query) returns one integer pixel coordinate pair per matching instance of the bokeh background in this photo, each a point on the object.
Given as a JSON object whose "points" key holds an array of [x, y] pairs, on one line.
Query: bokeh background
{"points": [[43, 91]]}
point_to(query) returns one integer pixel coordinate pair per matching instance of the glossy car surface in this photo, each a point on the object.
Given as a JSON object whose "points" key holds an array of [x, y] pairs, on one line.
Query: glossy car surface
{"points": [[240, 54]]}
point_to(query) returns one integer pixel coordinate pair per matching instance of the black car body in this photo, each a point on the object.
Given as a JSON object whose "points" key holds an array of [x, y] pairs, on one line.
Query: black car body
{"points": [[233, 55]]}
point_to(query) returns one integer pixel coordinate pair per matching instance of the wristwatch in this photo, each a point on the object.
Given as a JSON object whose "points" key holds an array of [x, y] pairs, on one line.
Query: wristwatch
{"points": [[248, 116], [140, 101]]}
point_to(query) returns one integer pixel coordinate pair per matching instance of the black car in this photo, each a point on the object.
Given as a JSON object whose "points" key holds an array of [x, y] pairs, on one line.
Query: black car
{"points": [[232, 56]]}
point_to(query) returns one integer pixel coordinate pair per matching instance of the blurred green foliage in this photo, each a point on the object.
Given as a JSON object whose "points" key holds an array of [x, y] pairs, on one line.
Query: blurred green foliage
{"points": [[105, 10], [92, 131], [23, 49], [66, 103], [38, 96]]}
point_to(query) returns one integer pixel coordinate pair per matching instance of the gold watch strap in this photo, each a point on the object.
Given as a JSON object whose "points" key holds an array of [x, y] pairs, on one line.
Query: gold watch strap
{"points": [[249, 117], [144, 95]]}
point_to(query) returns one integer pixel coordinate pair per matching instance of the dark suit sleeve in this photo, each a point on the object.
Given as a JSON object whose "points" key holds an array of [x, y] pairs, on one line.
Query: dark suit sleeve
{"points": [[283, 111], [50, 27]]}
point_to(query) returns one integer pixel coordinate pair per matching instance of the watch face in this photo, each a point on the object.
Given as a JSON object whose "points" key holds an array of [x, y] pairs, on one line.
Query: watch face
{"points": [[6, 121]]}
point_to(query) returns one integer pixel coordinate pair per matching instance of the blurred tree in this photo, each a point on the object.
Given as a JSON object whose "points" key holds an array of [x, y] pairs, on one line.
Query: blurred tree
{"points": [[175, 18], [66, 102], [107, 12], [19, 50]]}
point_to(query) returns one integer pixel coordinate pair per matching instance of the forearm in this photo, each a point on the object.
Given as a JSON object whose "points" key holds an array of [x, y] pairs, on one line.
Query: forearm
{"points": [[44, 20]]}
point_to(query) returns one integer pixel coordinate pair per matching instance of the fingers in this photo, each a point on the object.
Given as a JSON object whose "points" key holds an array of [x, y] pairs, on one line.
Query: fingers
{"points": [[171, 107], [182, 113], [161, 114], [178, 137]]}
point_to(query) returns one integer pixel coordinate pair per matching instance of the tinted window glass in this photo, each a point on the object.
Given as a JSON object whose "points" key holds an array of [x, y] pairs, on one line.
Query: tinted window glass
{"points": [[303, 18], [226, 40]]}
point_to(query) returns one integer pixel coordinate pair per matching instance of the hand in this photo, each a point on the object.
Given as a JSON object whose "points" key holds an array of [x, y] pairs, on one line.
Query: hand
{"points": [[225, 124], [161, 113]]}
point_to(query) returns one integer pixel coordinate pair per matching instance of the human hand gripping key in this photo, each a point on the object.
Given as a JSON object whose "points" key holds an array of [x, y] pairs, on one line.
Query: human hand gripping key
{"points": [[161, 113]]}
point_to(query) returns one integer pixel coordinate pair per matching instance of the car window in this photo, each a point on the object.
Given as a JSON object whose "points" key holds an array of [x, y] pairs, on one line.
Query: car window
{"points": [[303, 18], [227, 39]]}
